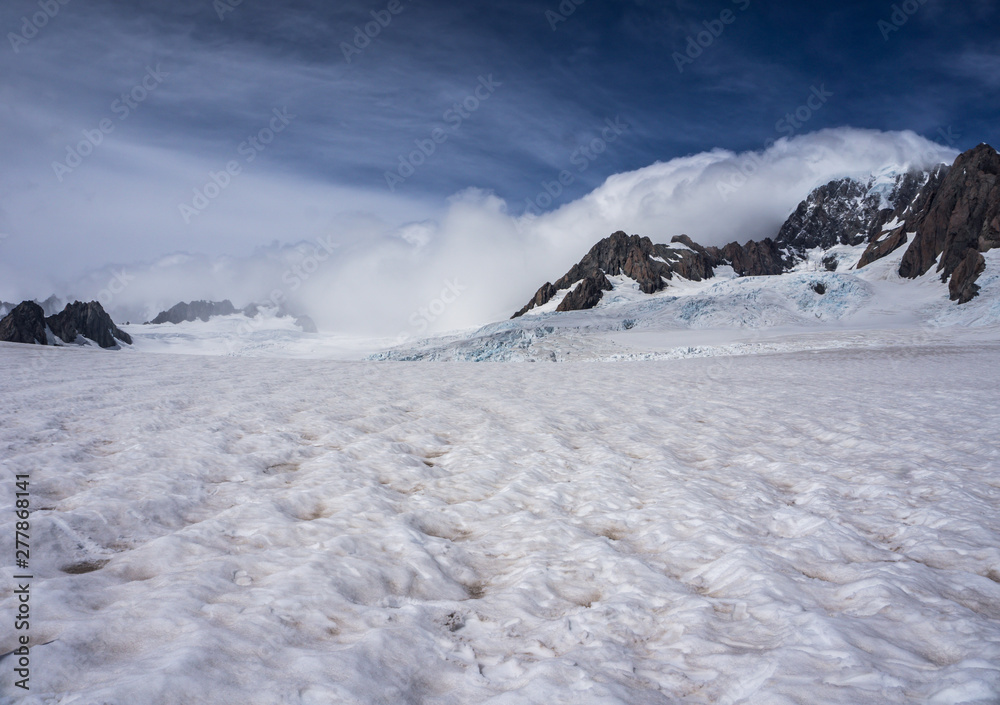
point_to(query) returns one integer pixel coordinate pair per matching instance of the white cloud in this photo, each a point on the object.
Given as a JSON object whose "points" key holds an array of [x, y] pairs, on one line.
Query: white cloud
{"points": [[387, 276]]}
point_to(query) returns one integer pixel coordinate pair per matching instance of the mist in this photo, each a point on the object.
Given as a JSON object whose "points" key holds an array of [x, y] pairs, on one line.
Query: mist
{"points": [[477, 258]]}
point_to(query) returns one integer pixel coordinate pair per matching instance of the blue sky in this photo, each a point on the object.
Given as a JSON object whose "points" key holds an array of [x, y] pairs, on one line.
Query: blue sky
{"points": [[555, 79]]}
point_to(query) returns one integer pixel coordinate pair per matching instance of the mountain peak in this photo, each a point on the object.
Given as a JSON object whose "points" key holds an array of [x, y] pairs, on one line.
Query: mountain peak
{"points": [[27, 323], [954, 210], [650, 265]]}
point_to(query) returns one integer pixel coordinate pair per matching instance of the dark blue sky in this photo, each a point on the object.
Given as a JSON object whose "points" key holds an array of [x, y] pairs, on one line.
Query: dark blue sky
{"points": [[552, 92], [608, 58]]}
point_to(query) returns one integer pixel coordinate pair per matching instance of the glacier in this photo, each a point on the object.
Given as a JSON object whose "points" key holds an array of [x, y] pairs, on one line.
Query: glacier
{"points": [[820, 525]]}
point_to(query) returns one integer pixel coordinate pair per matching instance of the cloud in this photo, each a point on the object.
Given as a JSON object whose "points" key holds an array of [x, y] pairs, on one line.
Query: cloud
{"points": [[475, 260], [720, 196], [979, 66]]}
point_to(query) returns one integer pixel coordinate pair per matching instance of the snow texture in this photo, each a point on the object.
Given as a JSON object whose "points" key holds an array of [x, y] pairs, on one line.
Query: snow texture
{"points": [[729, 315], [811, 527]]}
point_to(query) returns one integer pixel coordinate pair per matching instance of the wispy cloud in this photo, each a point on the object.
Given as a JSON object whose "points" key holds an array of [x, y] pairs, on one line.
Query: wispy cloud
{"points": [[383, 263], [325, 174]]}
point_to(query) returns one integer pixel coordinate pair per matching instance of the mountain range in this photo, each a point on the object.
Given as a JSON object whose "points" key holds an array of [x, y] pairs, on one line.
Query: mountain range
{"points": [[845, 253], [947, 218], [77, 324], [204, 311]]}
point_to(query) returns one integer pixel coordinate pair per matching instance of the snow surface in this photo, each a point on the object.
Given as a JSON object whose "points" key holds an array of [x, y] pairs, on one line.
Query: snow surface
{"points": [[772, 496], [721, 316], [729, 315], [813, 527], [240, 336]]}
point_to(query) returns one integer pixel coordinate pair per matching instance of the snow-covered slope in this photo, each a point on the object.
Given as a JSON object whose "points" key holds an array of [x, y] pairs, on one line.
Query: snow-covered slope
{"points": [[265, 335], [802, 528], [730, 315]]}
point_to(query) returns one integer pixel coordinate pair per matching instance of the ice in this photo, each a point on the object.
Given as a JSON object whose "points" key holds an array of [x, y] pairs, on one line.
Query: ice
{"points": [[240, 336], [741, 490], [730, 315], [811, 527]]}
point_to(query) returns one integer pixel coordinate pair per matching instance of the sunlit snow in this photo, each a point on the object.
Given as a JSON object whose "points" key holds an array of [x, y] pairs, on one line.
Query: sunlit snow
{"points": [[797, 528], [740, 490]]}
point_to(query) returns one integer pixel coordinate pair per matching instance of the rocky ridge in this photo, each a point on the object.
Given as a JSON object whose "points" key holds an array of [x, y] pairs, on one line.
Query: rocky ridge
{"points": [[960, 221], [76, 324], [949, 215], [636, 257], [196, 311], [185, 312]]}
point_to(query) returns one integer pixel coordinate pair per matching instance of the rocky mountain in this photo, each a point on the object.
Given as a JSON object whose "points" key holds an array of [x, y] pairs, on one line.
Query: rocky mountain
{"points": [[652, 266], [24, 324], [78, 323], [852, 212], [948, 216], [206, 310], [52, 305], [197, 311], [960, 221]]}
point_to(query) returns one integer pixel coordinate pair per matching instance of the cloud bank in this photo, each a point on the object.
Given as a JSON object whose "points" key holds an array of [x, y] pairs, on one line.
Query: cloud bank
{"points": [[477, 259]]}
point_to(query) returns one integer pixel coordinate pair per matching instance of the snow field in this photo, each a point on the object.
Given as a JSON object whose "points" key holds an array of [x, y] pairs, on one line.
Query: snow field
{"points": [[812, 527]]}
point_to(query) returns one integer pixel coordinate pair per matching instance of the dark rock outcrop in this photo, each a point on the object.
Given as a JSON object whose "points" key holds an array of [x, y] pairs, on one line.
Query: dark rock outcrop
{"points": [[963, 287], [881, 244], [587, 293], [962, 214], [954, 211], [195, 311], [90, 321], [24, 324], [885, 244], [838, 213], [755, 259], [650, 265], [541, 297], [27, 324], [639, 259], [849, 212]]}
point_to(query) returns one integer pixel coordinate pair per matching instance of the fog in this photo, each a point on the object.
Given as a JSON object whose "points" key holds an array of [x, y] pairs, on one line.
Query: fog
{"points": [[392, 266]]}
